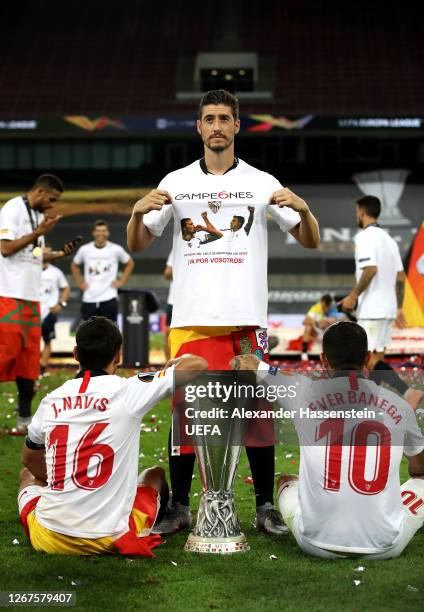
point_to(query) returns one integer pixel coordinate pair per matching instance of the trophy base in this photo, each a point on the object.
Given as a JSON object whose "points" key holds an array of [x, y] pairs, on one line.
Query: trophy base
{"points": [[217, 546]]}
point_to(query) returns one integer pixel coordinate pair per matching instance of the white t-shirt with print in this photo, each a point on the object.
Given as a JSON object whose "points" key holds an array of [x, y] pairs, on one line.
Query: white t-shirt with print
{"points": [[92, 440], [52, 282], [374, 247], [20, 274], [100, 269], [349, 484], [218, 281]]}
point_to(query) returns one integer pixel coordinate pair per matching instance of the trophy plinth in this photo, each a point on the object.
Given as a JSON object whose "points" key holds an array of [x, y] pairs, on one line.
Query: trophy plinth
{"points": [[217, 529]]}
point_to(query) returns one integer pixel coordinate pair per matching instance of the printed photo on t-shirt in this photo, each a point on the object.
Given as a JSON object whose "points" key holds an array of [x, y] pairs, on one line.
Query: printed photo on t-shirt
{"points": [[205, 232]]}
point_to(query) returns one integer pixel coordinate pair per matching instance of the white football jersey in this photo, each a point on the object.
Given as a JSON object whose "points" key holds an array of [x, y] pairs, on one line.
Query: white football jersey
{"points": [[349, 487], [20, 274], [100, 269], [374, 247], [219, 279], [52, 282], [91, 431]]}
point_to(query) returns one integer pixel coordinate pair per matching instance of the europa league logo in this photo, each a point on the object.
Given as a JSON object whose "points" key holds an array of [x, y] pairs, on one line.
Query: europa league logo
{"points": [[388, 186], [134, 316]]}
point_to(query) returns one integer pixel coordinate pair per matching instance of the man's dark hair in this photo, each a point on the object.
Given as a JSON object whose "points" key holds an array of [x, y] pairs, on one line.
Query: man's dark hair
{"points": [[100, 222], [98, 341], [371, 205], [239, 219], [327, 299], [184, 222], [49, 181], [345, 345], [220, 96]]}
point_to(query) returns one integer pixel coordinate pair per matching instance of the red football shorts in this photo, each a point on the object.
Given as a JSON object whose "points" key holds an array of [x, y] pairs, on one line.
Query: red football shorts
{"points": [[20, 336], [218, 345]]}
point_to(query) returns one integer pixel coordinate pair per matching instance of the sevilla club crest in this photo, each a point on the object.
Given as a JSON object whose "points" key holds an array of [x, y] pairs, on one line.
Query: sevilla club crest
{"points": [[214, 205]]}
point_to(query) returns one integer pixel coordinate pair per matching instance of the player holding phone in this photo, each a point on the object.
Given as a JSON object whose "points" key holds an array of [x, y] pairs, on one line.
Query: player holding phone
{"points": [[23, 224]]}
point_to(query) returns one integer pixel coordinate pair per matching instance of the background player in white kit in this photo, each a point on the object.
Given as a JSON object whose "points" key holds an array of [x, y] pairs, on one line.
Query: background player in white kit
{"points": [[80, 493], [53, 298], [347, 500], [101, 259], [24, 221], [380, 280]]}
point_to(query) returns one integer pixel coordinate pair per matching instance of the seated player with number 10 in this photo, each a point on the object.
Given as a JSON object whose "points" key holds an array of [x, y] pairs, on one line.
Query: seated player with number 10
{"points": [[347, 500], [80, 493]]}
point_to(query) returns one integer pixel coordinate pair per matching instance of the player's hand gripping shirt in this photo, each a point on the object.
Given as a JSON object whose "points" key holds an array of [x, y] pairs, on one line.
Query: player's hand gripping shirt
{"points": [[349, 487], [20, 274], [91, 431], [220, 243]]}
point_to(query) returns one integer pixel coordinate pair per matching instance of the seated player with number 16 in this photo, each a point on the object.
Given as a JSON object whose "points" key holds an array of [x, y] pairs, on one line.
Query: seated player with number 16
{"points": [[80, 493], [348, 500]]}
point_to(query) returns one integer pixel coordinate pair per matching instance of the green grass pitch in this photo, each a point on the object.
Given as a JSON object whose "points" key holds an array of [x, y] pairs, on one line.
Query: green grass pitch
{"points": [[176, 580]]}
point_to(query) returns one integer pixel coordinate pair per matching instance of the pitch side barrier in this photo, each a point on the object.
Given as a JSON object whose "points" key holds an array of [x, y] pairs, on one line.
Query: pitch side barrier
{"points": [[267, 407]]}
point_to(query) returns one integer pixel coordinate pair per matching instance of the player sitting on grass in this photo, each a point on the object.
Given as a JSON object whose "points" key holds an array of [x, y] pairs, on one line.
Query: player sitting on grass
{"points": [[79, 493], [347, 500]]}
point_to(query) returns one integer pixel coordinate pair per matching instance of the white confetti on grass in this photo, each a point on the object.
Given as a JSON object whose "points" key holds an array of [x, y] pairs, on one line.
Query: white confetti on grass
{"points": [[174, 563], [360, 568], [357, 582], [273, 557], [411, 589], [15, 542]]}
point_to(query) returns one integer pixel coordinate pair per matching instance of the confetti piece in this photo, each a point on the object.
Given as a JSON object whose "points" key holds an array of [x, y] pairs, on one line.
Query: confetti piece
{"points": [[411, 589], [60, 577], [248, 480], [360, 568], [73, 583], [273, 557], [174, 563], [195, 495], [357, 582], [10, 400], [288, 455], [15, 542], [293, 462]]}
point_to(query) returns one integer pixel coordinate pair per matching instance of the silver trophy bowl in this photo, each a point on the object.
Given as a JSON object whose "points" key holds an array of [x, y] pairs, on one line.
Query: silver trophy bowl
{"points": [[217, 528]]}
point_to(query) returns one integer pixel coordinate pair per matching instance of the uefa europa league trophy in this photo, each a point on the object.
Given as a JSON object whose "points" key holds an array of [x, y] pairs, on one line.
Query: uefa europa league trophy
{"points": [[217, 528]]}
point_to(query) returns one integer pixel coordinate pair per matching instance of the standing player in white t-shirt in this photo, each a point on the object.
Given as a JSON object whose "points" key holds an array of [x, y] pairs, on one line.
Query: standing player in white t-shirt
{"points": [[348, 500], [100, 284], [22, 229], [380, 280], [80, 493], [220, 285], [53, 298]]}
